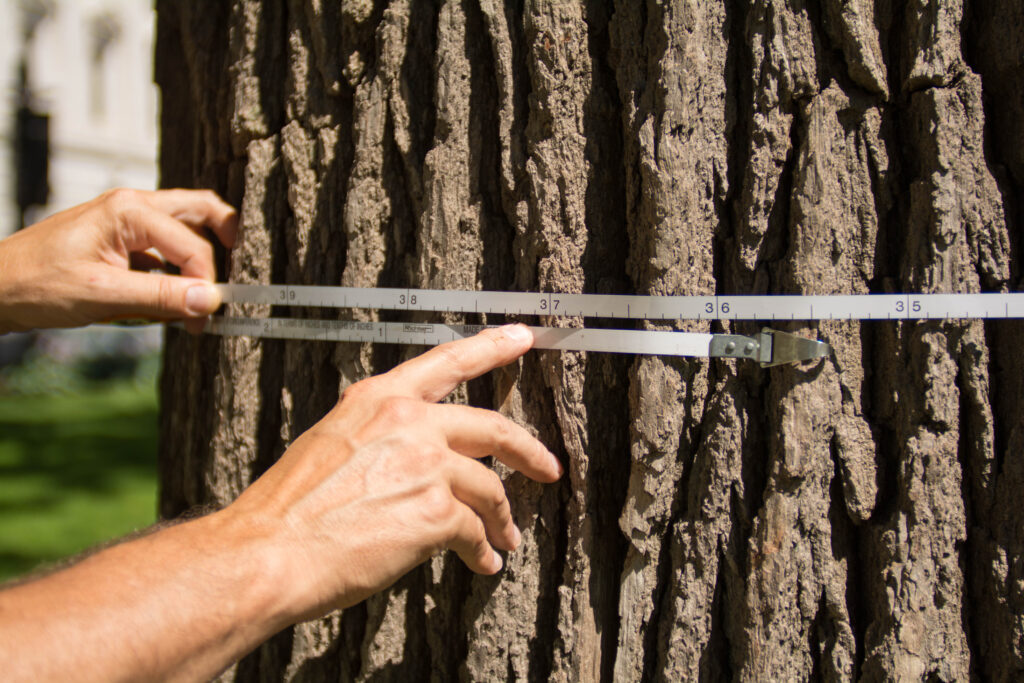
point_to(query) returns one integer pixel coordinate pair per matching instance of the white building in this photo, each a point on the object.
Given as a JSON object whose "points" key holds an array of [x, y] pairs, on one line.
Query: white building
{"points": [[90, 67]]}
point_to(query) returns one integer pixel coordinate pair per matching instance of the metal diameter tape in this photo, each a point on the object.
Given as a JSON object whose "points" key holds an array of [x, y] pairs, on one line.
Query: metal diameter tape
{"points": [[641, 307], [651, 342]]}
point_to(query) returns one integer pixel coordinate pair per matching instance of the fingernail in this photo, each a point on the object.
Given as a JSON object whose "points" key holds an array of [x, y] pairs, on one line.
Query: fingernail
{"points": [[517, 332], [201, 299], [557, 463], [498, 561], [517, 536]]}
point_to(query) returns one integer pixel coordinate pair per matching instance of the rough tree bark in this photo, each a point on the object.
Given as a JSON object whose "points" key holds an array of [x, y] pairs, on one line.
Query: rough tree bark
{"points": [[855, 519]]}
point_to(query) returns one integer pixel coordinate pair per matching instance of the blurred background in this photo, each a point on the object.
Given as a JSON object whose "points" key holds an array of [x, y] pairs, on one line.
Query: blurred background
{"points": [[78, 408]]}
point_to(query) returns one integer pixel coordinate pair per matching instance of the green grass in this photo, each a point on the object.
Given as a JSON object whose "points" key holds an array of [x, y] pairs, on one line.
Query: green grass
{"points": [[75, 470]]}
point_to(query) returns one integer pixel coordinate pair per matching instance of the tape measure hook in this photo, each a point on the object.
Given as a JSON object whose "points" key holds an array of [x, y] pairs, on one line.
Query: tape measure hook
{"points": [[770, 347], [778, 348]]}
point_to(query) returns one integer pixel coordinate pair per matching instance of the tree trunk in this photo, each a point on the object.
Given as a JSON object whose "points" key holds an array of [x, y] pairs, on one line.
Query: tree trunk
{"points": [[858, 518]]}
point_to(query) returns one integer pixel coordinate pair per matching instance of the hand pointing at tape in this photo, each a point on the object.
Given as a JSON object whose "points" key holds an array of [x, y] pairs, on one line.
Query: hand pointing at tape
{"points": [[389, 478], [385, 480], [76, 267]]}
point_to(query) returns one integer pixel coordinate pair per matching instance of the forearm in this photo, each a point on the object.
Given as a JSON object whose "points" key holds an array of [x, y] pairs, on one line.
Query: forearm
{"points": [[11, 289], [180, 604]]}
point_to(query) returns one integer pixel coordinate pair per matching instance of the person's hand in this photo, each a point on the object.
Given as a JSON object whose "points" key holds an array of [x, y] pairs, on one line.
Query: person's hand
{"points": [[389, 478], [76, 267]]}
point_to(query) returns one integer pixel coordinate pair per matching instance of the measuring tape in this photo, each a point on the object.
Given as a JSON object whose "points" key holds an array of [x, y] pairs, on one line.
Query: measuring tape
{"points": [[770, 347]]}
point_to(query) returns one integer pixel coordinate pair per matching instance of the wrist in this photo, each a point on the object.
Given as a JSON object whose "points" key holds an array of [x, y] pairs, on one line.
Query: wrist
{"points": [[7, 324], [259, 569], [22, 287]]}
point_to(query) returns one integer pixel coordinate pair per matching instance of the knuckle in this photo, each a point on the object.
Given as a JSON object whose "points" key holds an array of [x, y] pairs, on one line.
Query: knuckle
{"points": [[166, 296], [437, 506], [478, 535], [432, 455], [200, 260], [355, 391], [449, 355], [207, 254], [501, 505], [360, 391], [398, 409], [496, 496], [468, 534], [120, 198], [500, 427]]}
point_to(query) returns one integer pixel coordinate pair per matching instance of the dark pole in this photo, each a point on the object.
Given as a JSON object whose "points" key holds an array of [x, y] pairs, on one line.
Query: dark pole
{"points": [[31, 150], [22, 102], [31, 127]]}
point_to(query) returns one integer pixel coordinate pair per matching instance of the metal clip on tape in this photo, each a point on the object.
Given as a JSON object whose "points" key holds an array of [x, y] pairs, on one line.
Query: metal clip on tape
{"points": [[770, 347]]}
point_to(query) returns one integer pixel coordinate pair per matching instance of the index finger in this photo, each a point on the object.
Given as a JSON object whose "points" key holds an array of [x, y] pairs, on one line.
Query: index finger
{"points": [[199, 208], [434, 375], [149, 227], [476, 432]]}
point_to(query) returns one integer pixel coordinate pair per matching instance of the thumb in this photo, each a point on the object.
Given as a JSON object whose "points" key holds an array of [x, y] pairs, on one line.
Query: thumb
{"points": [[201, 299], [164, 296]]}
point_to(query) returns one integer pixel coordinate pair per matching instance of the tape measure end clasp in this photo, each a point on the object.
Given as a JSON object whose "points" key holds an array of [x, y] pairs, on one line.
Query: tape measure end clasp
{"points": [[769, 348], [779, 348]]}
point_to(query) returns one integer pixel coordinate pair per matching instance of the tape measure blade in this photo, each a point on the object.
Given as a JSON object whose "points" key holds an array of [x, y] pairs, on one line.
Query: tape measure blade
{"points": [[442, 300], [632, 306], [989, 305], [251, 294], [326, 297], [358, 331], [669, 307], [1012, 305], [520, 303], [940, 305], [864, 307], [650, 342], [412, 333], [463, 301], [591, 306], [290, 328], [765, 307], [234, 326]]}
